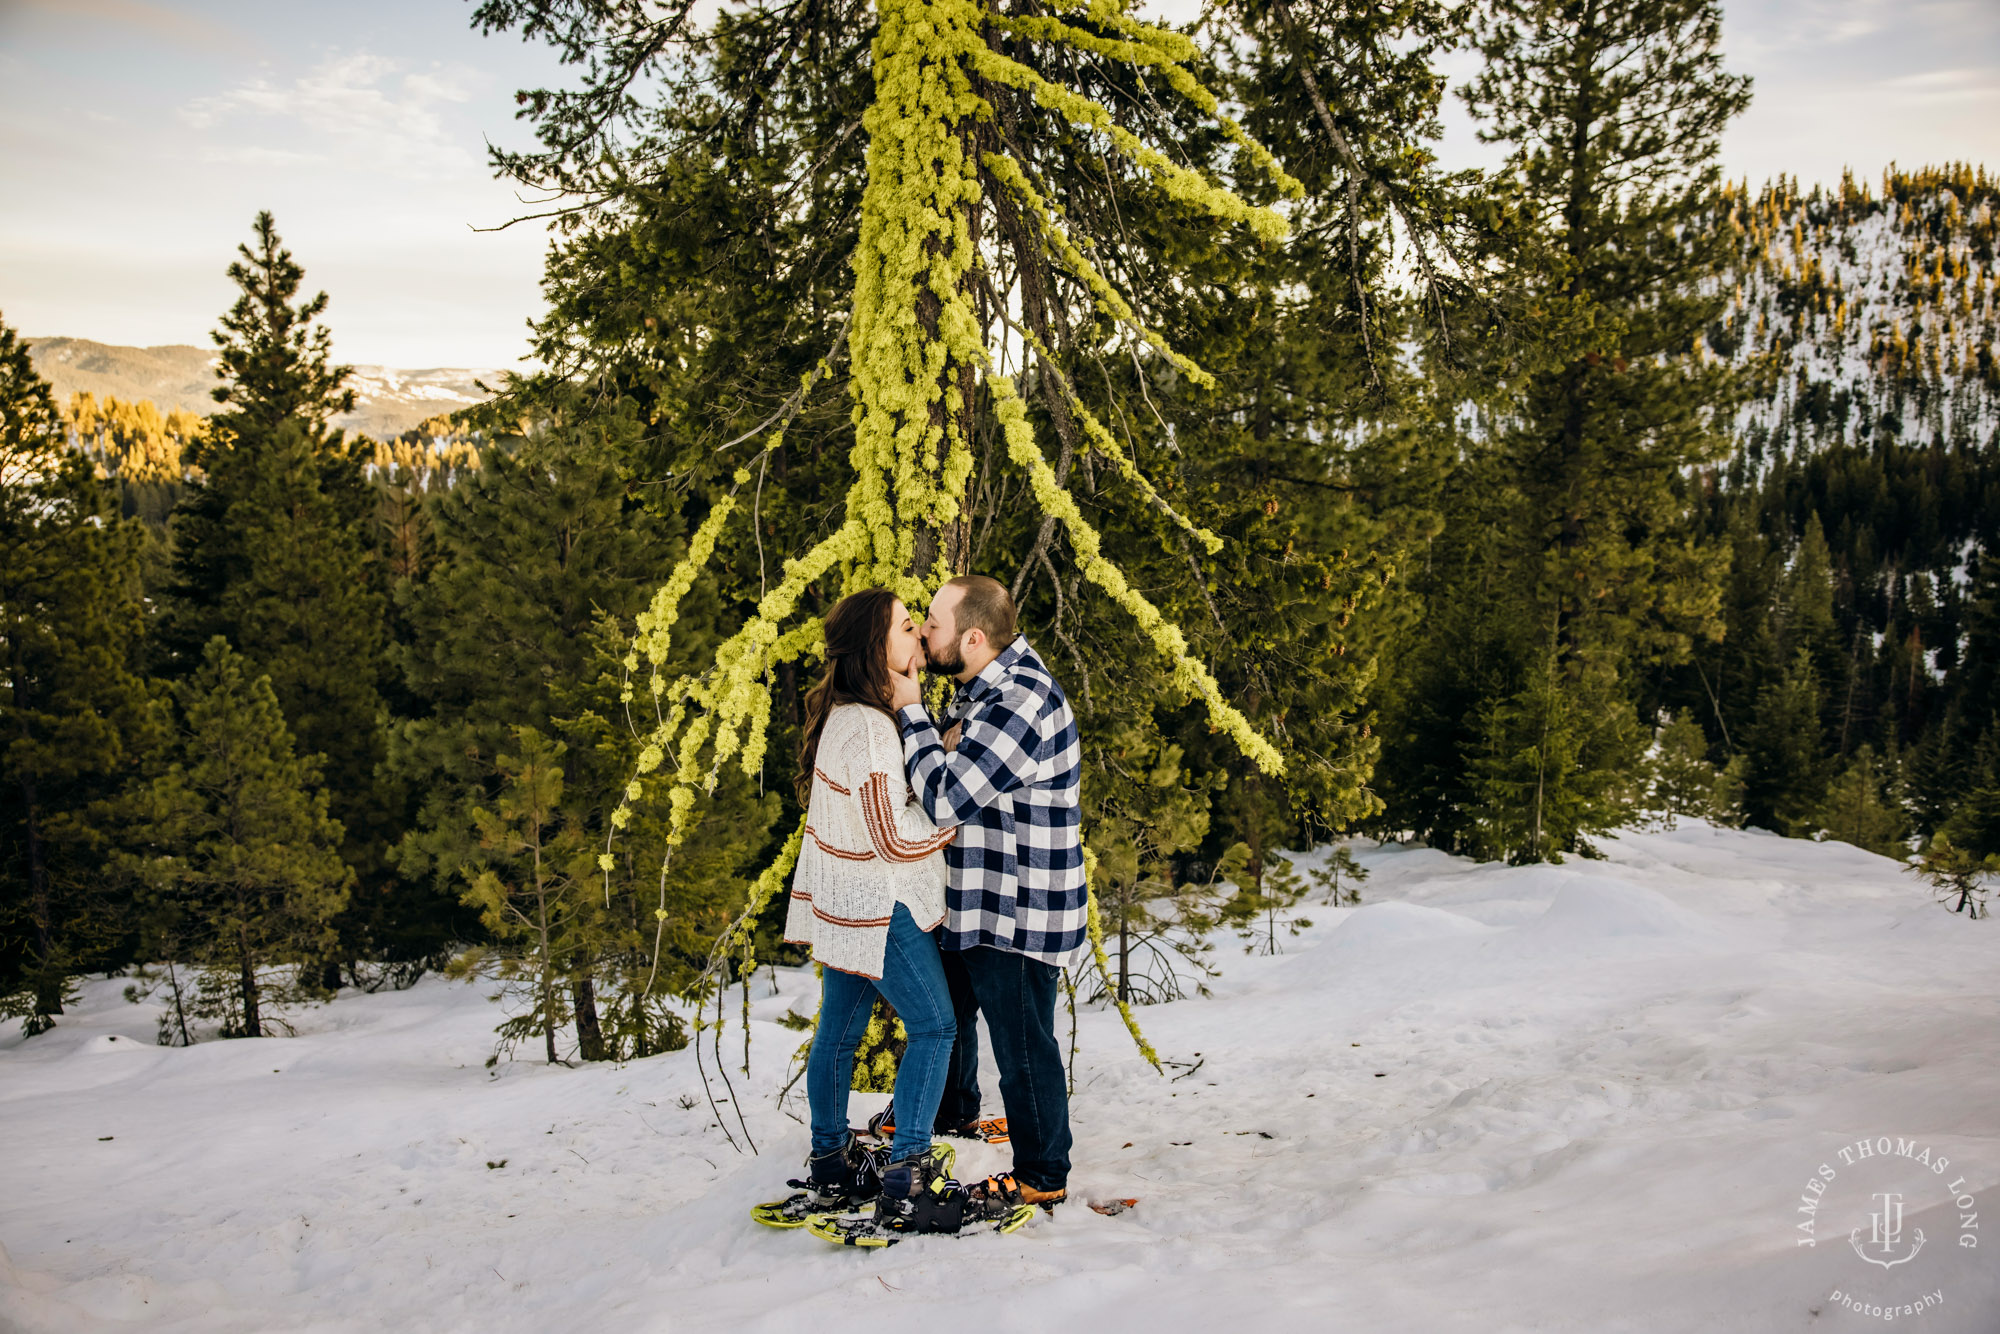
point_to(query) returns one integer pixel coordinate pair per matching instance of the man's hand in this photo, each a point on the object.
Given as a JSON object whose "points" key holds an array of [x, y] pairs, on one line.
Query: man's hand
{"points": [[951, 737], [906, 689]]}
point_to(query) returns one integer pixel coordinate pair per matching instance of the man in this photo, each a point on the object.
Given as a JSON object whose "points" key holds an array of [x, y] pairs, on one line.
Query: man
{"points": [[1015, 908]]}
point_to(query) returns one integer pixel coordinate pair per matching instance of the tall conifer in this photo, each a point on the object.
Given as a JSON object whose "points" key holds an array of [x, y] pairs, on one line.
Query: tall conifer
{"points": [[236, 849], [75, 712], [274, 551], [1575, 566]]}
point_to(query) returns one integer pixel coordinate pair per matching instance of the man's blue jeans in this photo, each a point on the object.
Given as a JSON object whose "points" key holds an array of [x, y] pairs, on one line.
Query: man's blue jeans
{"points": [[1018, 997], [913, 982]]}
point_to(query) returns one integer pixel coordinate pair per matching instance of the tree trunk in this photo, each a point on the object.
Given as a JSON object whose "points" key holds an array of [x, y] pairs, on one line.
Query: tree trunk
{"points": [[180, 1010], [48, 987], [951, 413], [548, 965], [253, 1023], [589, 1033], [1125, 942]]}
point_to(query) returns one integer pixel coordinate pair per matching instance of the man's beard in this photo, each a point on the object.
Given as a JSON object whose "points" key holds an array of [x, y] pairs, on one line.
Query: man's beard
{"points": [[938, 665]]}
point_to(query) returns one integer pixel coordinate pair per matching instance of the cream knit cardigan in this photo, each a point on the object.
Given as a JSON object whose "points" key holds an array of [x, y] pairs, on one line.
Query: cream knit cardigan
{"points": [[868, 846]]}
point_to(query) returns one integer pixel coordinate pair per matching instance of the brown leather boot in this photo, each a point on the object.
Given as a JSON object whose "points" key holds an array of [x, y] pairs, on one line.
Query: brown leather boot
{"points": [[998, 1194]]}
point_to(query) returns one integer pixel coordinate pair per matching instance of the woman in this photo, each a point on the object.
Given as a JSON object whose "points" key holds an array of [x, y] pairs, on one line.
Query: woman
{"points": [[868, 891]]}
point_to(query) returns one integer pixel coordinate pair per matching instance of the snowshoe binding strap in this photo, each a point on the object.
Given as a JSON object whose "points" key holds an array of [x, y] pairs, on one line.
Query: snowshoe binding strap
{"points": [[1001, 1192]]}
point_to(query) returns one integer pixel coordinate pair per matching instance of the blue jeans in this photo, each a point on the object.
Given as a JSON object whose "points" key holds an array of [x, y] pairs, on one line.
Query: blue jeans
{"points": [[1018, 997], [913, 982]]}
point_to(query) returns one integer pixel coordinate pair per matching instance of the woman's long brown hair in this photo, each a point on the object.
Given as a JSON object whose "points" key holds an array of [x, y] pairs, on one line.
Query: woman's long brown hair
{"points": [[857, 671]]}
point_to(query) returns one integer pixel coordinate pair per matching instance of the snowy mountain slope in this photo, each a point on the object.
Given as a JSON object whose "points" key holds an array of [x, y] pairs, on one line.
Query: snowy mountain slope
{"points": [[1871, 316], [1584, 1097]]}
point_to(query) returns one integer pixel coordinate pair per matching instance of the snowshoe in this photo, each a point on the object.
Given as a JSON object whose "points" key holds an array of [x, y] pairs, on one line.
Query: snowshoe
{"points": [[847, 1178], [918, 1196]]}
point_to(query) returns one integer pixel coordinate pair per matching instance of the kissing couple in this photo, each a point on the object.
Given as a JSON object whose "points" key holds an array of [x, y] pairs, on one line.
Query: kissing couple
{"points": [[942, 870]]}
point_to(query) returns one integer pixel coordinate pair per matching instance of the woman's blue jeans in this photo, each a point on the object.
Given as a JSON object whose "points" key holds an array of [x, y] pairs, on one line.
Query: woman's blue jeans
{"points": [[913, 982]]}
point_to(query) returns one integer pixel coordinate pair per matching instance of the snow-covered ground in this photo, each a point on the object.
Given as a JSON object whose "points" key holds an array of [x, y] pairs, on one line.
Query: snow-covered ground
{"points": [[1588, 1097]]}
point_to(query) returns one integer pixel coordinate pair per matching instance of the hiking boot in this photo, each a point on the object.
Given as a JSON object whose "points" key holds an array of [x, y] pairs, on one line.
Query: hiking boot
{"points": [[993, 1130], [1003, 1195], [918, 1194], [839, 1180]]}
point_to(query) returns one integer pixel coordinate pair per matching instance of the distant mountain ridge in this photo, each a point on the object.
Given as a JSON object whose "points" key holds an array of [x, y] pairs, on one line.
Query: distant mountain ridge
{"points": [[1873, 317], [387, 401]]}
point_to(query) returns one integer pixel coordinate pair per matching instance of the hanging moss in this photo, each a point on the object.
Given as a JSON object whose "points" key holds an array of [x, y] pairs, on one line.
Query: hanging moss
{"points": [[911, 460]]}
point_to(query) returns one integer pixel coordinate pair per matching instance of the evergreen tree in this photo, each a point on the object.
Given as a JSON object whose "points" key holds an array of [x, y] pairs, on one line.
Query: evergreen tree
{"points": [[1577, 566], [235, 848], [1785, 776], [274, 358], [1805, 614], [542, 559], [647, 929], [1340, 862], [1142, 827], [532, 865], [1959, 877], [714, 301], [75, 712], [1684, 782], [1974, 823], [1861, 806], [1555, 763], [274, 551]]}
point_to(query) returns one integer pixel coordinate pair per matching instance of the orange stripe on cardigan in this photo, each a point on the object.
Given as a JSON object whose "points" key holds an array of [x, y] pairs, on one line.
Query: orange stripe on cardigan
{"points": [[821, 774], [848, 921], [831, 851], [881, 819]]}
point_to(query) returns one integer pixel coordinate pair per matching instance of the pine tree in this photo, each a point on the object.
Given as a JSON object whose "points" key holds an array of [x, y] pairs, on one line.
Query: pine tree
{"points": [[1154, 813], [75, 712], [1577, 567], [1684, 782], [705, 322], [1959, 877], [1805, 612], [542, 559], [236, 851], [1327, 875], [274, 358], [1553, 766], [526, 883], [1974, 822], [1785, 753], [273, 550], [1860, 807]]}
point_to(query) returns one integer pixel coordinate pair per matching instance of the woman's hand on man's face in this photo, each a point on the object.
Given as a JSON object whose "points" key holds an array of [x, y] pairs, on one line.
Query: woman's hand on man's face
{"points": [[907, 688]]}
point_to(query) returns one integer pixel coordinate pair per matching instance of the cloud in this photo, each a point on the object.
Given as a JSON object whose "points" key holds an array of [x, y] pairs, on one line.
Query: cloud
{"points": [[357, 109], [156, 20], [1945, 85]]}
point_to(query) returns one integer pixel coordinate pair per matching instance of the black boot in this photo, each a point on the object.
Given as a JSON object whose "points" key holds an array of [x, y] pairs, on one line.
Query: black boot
{"points": [[842, 1179], [917, 1196]]}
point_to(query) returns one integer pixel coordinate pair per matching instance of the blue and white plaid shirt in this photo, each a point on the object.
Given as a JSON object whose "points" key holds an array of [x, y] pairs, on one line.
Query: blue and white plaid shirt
{"points": [[1013, 789]]}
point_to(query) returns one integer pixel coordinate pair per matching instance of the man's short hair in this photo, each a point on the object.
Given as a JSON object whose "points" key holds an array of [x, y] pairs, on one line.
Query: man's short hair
{"points": [[985, 604]]}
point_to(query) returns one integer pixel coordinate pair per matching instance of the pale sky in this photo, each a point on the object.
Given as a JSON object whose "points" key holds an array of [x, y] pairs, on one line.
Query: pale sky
{"points": [[138, 138]]}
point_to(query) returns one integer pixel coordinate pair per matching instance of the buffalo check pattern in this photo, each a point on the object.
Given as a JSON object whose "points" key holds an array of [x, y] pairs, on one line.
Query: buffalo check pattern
{"points": [[1012, 789]]}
